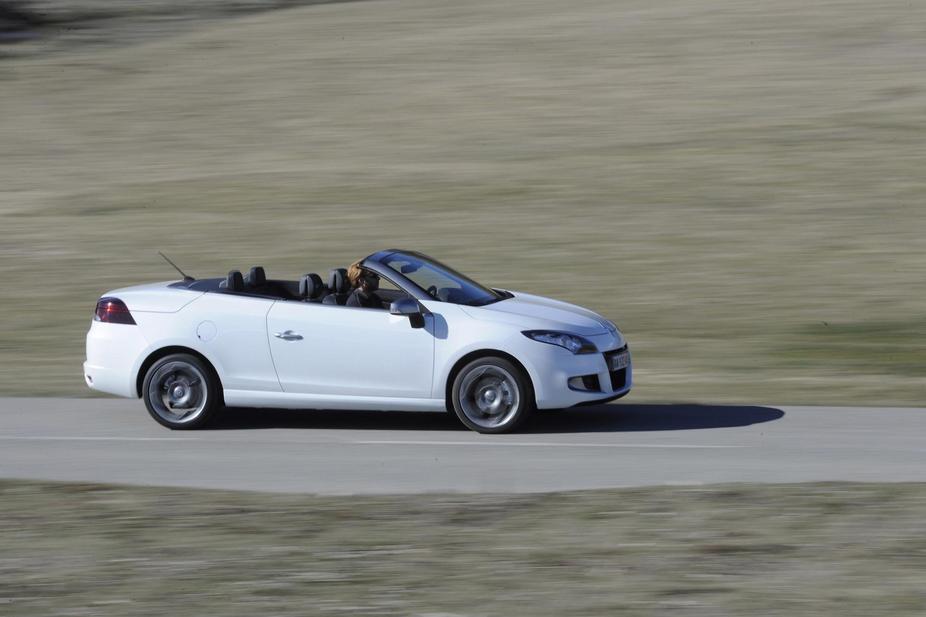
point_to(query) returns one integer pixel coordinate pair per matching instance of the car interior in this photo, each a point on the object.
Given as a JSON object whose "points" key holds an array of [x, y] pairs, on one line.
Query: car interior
{"points": [[338, 287], [309, 288]]}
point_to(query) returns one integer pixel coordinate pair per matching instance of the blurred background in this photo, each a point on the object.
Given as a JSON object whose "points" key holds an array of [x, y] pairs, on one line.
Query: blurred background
{"points": [[738, 185]]}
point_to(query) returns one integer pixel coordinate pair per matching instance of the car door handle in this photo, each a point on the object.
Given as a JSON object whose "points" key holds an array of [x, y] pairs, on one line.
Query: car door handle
{"points": [[288, 335]]}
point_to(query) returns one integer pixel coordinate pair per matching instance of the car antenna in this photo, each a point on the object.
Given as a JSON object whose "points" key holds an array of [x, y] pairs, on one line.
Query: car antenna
{"points": [[186, 277]]}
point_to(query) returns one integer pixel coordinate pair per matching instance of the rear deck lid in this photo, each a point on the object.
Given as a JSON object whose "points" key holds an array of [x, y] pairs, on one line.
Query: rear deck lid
{"points": [[155, 297]]}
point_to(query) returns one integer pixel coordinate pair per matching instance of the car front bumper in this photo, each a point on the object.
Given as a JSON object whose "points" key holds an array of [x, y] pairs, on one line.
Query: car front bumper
{"points": [[552, 370]]}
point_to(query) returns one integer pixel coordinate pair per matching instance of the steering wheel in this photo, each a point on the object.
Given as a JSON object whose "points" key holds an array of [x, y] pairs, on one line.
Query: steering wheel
{"points": [[432, 291]]}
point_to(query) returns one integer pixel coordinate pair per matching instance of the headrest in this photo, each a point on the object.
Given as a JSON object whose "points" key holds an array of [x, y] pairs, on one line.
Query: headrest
{"points": [[310, 286], [233, 282], [256, 277], [337, 281]]}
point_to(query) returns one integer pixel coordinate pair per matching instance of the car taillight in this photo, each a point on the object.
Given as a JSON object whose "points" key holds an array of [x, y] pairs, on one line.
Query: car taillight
{"points": [[113, 310]]}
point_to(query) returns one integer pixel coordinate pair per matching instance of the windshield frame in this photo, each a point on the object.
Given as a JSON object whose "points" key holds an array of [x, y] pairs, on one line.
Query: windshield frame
{"points": [[378, 262]]}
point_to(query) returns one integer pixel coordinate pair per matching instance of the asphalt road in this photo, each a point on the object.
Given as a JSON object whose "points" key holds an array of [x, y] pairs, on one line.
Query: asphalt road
{"points": [[107, 440]]}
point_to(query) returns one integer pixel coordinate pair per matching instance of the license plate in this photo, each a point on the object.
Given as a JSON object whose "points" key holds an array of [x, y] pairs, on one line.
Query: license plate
{"points": [[619, 361]]}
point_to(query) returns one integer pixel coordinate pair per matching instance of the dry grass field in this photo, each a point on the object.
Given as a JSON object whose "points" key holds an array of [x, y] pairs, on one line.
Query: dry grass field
{"points": [[840, 550], [739, 185]]}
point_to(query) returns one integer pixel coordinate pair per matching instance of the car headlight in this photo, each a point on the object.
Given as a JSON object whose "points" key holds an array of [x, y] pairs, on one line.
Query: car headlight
{"points": [[574, 343]]}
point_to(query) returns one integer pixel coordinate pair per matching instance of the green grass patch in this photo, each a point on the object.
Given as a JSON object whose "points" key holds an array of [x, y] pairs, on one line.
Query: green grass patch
{"points": [[809, 549], [889, 348], [719, 178]]}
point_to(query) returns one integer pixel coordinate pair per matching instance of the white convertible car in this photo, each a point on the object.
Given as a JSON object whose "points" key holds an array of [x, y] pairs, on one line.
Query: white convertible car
{"points": [[444, 342]]}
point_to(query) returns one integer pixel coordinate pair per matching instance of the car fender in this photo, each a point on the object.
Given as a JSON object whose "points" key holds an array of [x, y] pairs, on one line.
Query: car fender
{"points": [[162, 330], [185, 343], [459, 335]]}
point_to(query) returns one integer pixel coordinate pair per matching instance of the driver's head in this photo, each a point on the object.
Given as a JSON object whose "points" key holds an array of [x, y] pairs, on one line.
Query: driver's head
{"points": [[362, 279], [370, 281]]}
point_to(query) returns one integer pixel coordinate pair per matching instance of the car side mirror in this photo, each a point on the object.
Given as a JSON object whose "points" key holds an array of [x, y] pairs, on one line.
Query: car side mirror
{"points": [[410, 308]]}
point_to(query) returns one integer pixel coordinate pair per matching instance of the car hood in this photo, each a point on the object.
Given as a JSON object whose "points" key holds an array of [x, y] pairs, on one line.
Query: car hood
{"points": [[538, 312]]}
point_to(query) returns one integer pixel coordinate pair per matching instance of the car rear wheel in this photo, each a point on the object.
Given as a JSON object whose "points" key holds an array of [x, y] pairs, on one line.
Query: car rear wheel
{"points": [[180, 391], [492, 395]]}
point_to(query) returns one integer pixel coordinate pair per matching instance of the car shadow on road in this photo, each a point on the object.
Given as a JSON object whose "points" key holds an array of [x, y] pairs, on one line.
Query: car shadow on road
{"points": [[594, 419], [632, 418]]}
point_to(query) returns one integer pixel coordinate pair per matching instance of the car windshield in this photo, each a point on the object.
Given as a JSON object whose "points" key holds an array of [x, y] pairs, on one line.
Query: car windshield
{"points": [[439, 281]]}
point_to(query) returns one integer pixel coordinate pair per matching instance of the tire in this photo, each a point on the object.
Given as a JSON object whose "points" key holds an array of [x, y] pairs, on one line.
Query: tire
{"points": [[181, 392], [492, 395]]}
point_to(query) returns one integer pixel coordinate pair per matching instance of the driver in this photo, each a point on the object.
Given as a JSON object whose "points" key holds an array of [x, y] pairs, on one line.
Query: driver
{"points": [[365, 284]]}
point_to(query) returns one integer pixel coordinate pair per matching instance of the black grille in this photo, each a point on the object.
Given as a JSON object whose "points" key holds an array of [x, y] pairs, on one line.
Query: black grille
{"points": [[609, 354], [618, 379]]}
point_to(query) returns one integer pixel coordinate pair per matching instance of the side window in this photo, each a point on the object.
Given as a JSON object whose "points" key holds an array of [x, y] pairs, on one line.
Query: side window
{"points": [[387, 285], [389, 292]]}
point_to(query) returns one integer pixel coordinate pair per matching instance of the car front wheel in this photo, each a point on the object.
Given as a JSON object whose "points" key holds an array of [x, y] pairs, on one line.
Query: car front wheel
{"points": [[492, 395], [180, 391]]}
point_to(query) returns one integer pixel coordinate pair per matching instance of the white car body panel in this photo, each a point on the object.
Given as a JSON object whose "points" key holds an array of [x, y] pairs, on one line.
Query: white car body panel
{"points": [[157, 297], [549, 366], [233, 329], [343, 357], [284, 400], [554, 314], [350, 352], [114, 354]]}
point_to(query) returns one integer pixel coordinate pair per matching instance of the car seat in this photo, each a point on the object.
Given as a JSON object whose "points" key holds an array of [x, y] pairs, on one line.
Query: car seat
{"points": [[233, 282], [256, 278], [311, 288], [338, 286]]}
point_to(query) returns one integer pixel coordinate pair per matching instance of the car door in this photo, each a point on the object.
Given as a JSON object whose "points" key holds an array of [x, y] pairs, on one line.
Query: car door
{"points": [[340, 350]]}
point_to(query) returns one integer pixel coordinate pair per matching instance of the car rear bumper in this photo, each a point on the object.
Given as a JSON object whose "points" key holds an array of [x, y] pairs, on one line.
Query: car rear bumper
{"points": [[113, 352]]}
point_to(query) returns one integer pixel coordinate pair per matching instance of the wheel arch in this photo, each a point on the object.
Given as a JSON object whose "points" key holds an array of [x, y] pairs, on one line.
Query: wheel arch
{"points": [[484, 353], [163, 352]]}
